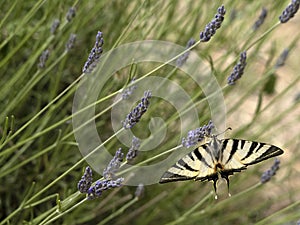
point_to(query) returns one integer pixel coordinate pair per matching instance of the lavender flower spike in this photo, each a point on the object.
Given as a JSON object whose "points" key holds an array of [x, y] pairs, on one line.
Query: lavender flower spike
{"points": [[270, 172], [54, 26], [43, 58], [289, 11], [132, 152], [211, 28], [282, 58], [86, 180], [197, 135], [238, 69], [183, 58], [94, 55], [136, 114], [114, 165], [261, 19], [96, 190], [71, 42], [71, 14], [129, 90]]}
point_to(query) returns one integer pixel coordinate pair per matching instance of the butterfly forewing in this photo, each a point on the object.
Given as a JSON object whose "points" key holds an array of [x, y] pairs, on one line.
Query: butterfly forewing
{"points": [[238, 153]]}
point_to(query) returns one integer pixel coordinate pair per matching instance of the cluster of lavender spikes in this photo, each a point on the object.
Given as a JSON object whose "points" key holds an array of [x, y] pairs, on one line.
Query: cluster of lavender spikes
{"points": [[135, 115], [270, 172], [238, 69], [211, 28], [197, 135], [132, 152], [94, 55], [289, 11], [109, 181], [183, 58], [43, 58], [261, 19]]}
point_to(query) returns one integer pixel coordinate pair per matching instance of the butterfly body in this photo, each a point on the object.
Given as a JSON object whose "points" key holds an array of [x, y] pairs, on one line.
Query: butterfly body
{"points": [[219, 159]]}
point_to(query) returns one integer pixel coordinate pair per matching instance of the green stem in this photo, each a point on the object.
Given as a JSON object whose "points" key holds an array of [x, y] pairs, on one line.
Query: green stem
{"points": [[182, 218], [265, 220], [73, 167], [118, 212], [52, 216]]}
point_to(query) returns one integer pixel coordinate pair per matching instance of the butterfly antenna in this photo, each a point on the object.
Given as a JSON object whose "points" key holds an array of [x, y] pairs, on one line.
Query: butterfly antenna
{"points": [[228, 128]]}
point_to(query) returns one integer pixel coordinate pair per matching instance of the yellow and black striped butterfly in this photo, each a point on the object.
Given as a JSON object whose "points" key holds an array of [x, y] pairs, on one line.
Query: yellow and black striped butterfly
{"points": [[219, 158]]}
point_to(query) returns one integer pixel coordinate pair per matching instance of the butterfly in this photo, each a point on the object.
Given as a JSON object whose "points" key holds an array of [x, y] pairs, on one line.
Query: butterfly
{"points": [[219, 159]]}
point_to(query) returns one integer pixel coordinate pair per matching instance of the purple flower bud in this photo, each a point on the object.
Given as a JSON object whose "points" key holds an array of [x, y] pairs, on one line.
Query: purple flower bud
{"points": [[183, 58], [54, 26], [211, 28], [266, 176], [289, 11], [197, 135], [132, 152], [71, 14], [261, 19], [71, 42], [128, 91], [94, 55], [136, 114], [43, 58], [282, 58], [238, 69], [114, 165], [86, 180]]}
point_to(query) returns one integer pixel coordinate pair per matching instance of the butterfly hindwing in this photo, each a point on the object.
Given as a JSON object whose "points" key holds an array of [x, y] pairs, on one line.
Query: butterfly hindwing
{"points": [[190, 167]]}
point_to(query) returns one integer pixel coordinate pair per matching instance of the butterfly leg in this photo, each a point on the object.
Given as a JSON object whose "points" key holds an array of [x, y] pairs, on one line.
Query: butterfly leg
{"points": [[215, 187], [227, 181]]}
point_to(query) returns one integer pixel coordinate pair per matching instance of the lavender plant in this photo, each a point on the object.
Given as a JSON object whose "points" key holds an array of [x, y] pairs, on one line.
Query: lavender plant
{"points": [[40, 165]]}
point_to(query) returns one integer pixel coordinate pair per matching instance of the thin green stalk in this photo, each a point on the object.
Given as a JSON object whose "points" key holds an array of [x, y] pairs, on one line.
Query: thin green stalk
{"points": [[263, 35], [38, 134], [73, 167], [29, 85], [147, 160], [273, 215], [211, 209], [7, 14], [52, 216], [41, 111], [119, 211], [24, 21], [182, 218]]}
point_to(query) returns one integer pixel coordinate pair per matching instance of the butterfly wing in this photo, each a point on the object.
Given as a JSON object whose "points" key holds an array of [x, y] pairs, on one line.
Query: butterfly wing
{"points": [[196, 165], [238, 154]]}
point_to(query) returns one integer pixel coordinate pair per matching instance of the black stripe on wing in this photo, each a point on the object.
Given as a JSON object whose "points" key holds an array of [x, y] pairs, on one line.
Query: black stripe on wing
{"points": [[271, 151], [187, 168], [171, 177], [248, 152], [181, 170]]}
